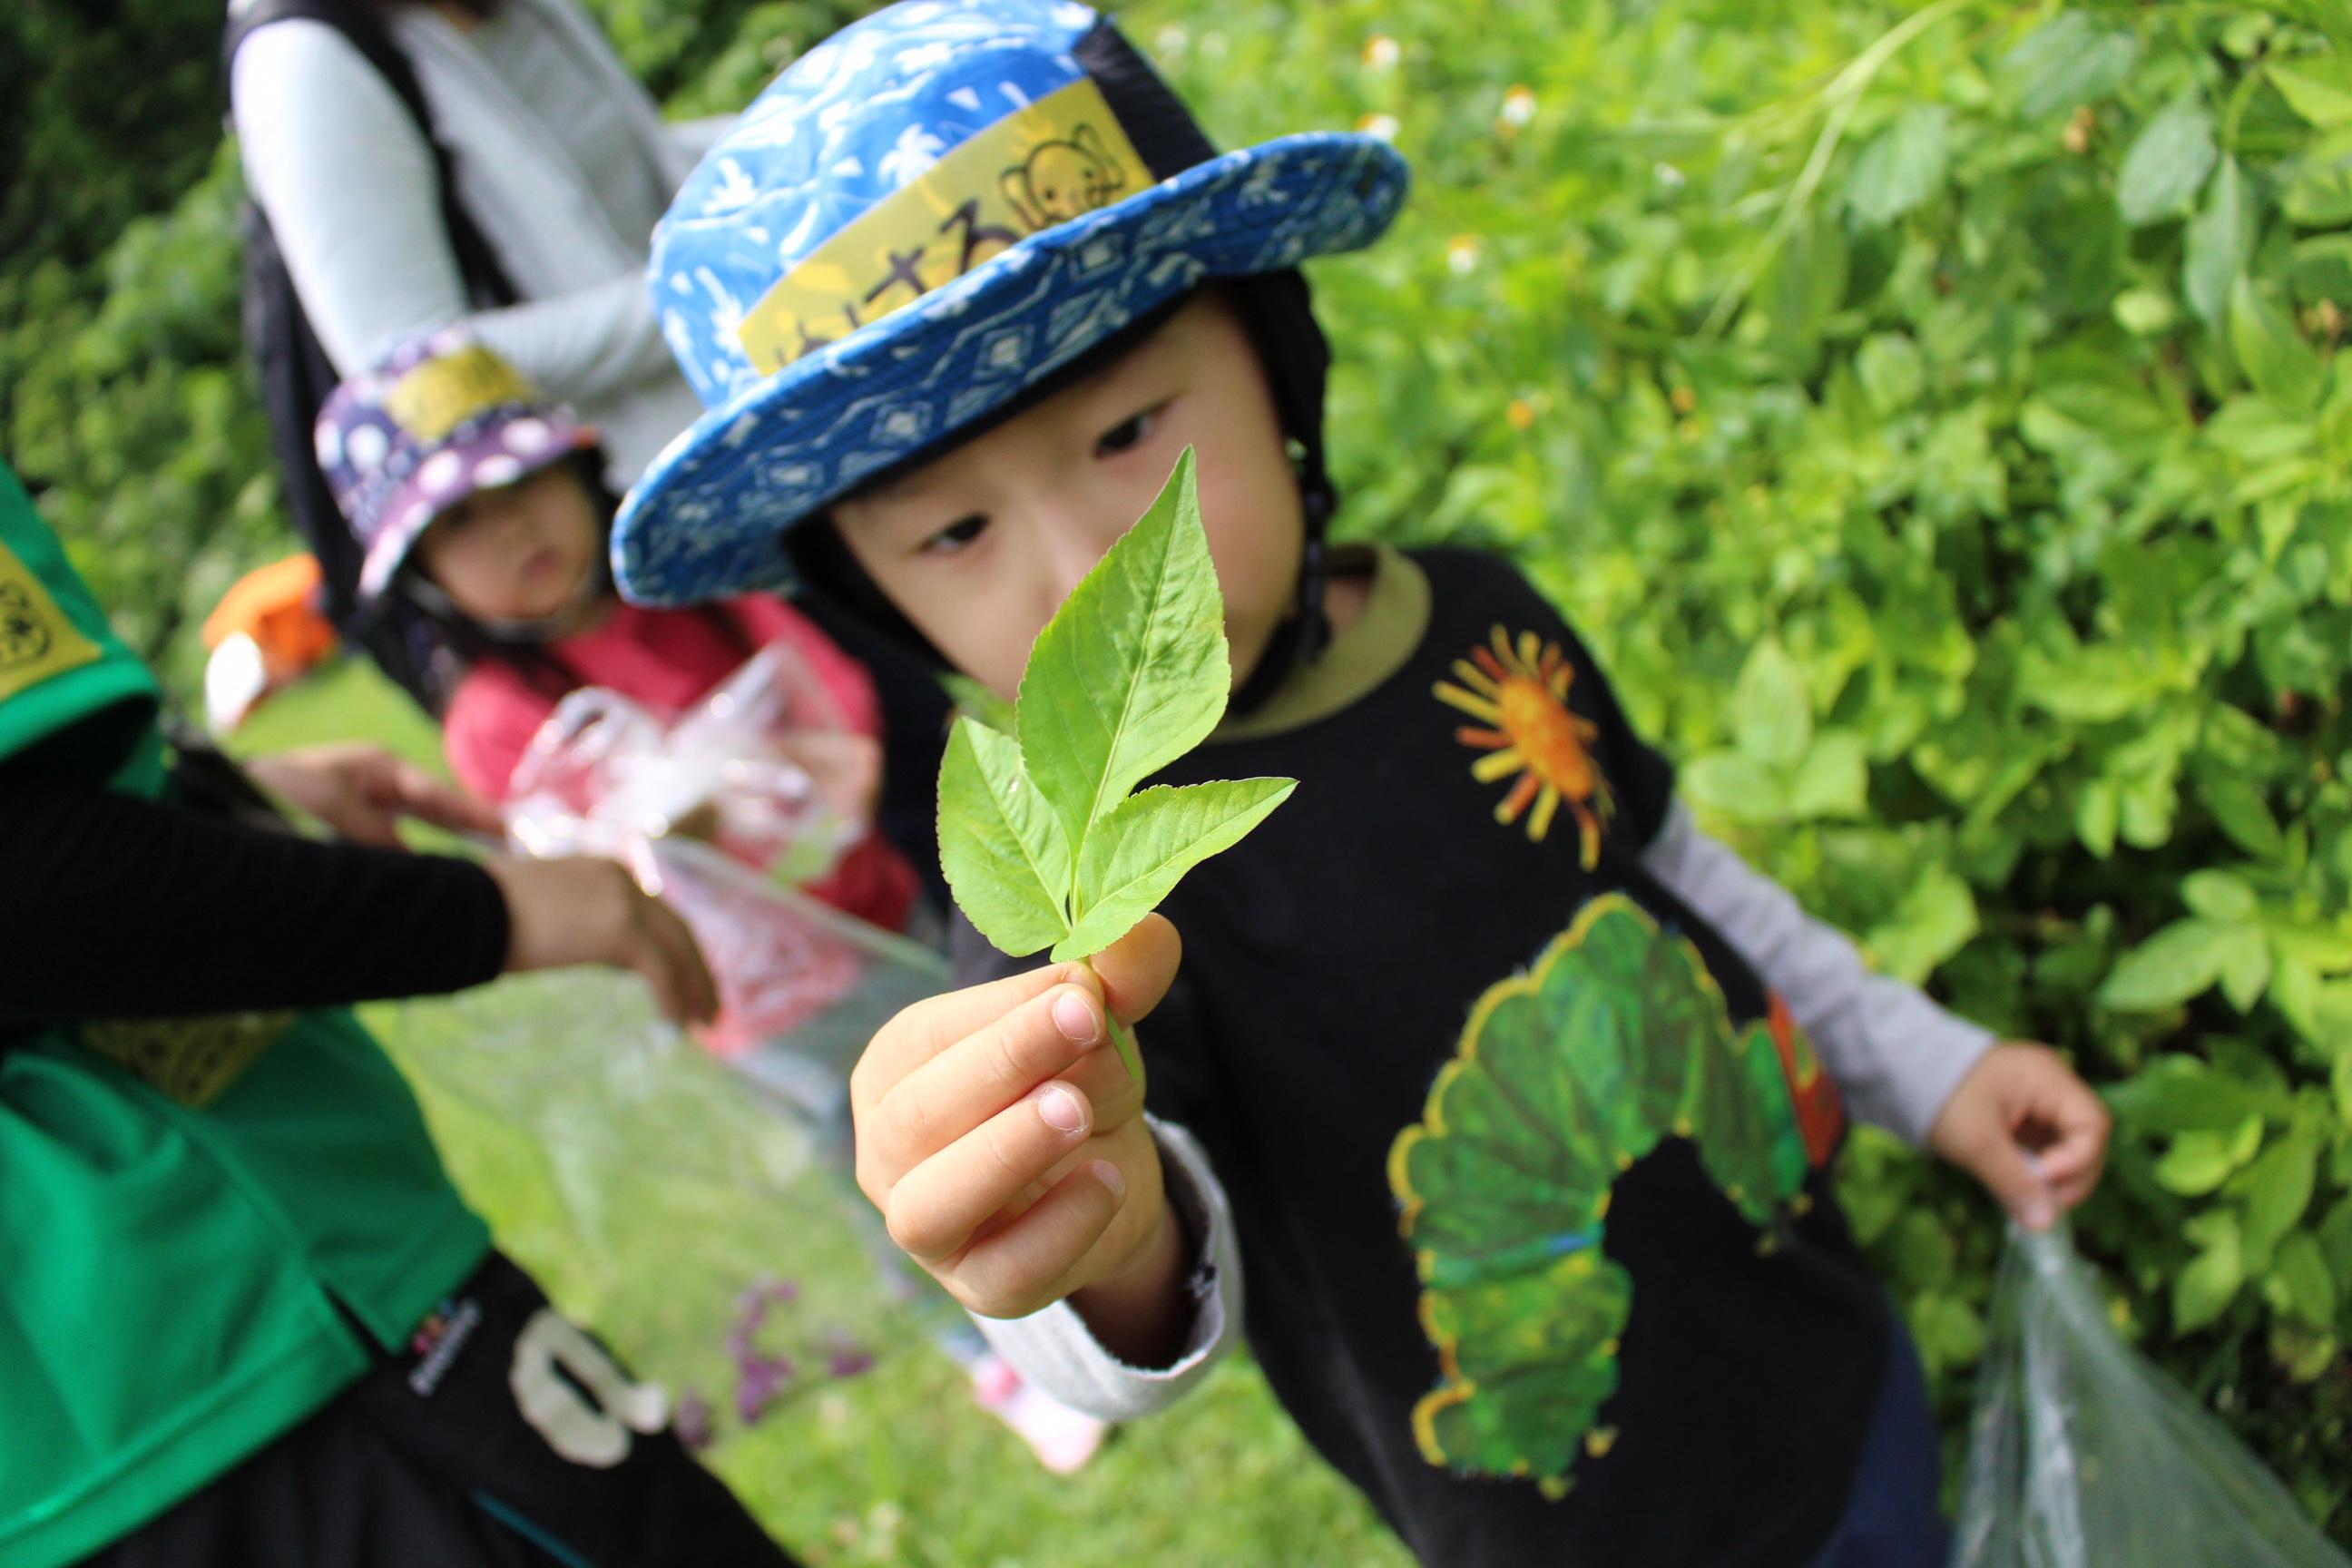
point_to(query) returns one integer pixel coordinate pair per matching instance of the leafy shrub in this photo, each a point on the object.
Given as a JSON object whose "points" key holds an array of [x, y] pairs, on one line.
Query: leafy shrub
{"points": [[1934, 413]]}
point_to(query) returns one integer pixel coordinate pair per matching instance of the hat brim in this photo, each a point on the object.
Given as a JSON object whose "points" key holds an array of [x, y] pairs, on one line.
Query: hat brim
{"points": [[412, 507], [707, 518]]}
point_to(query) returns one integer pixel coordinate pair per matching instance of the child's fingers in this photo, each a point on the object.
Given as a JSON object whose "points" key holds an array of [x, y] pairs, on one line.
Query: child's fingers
{"points": [[672, 963], [1136, 970], [949, 1096], [935, 1207], [925, 1029], [2013, 1178], [1027, 1265]]}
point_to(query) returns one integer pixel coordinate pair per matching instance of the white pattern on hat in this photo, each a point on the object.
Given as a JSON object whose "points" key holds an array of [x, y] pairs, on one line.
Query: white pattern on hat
{"points": [[526, 436], [497, 469], [365, 446], [440, 472], [327, 439]]}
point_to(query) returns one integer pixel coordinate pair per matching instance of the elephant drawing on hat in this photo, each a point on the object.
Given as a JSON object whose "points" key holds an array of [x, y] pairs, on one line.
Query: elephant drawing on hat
{"points": [[1062, 178]]}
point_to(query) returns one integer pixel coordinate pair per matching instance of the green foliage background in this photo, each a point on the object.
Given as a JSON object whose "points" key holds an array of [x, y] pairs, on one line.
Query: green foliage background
{"points": [[1934, 413]]}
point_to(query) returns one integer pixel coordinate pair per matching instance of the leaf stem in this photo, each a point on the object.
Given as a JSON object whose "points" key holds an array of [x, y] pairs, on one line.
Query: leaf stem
{"points": [[1127, 1056]]}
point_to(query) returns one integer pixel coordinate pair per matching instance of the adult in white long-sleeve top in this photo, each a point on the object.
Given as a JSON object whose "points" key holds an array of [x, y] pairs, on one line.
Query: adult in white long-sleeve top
{"points": [[558, 155]]}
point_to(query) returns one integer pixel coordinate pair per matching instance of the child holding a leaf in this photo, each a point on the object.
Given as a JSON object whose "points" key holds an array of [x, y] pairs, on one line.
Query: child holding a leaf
{"points": [[1509, 1094]]}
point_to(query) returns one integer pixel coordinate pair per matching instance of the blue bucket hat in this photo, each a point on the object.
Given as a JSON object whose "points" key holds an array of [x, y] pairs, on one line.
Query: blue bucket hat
{"points": [[919, 220]]}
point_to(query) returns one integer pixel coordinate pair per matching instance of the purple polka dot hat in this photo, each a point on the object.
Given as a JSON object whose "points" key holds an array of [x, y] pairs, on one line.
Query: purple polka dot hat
{"points": [[436, 420]]}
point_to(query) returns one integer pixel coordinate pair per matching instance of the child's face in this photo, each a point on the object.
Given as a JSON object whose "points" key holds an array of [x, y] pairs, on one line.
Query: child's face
{"points": [[979, 547], [517, 552]]}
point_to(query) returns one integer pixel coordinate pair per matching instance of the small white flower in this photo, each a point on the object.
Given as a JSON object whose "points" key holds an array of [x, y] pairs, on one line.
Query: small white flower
{"points": [[1381, 53], [1518, 106], [1670, 177], [1462, 254], [1170, 40], [1382, 126]]}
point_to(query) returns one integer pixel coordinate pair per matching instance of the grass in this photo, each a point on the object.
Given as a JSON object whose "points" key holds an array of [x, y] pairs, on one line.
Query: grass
{"points": [[645, 1191]]}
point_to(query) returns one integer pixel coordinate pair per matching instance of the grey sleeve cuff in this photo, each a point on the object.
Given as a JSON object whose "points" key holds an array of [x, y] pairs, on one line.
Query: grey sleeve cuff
{"points": [[1055, 1349], [1895, 1055]]}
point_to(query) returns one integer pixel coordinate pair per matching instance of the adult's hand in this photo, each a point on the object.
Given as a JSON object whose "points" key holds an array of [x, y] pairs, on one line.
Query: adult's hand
{"points": [[362, 792], [585, 909]]}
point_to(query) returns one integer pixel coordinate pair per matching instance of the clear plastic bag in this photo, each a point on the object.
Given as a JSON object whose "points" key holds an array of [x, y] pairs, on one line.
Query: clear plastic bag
{"points": [[2081, 1455], [722, 812], [764, 767], [699, 1227]]}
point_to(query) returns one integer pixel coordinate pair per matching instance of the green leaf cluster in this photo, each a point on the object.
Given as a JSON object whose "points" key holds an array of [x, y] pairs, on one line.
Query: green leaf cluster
{"points": [[1937, 417], [1043, 838]]}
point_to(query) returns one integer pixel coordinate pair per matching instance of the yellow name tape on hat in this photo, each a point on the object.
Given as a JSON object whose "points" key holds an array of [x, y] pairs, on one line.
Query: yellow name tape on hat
{"points": [[444, 392], [36, 640], [1059, 158]]}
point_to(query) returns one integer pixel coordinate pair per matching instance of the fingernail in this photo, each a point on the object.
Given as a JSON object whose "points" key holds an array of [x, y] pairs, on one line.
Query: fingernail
{"points": [[1058, 1108], [1075, 1017], [1107, 1175]]}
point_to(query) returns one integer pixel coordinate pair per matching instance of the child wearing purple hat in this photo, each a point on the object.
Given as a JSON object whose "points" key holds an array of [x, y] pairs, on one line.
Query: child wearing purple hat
{"points": [[1489, 1074], [477, 498]]}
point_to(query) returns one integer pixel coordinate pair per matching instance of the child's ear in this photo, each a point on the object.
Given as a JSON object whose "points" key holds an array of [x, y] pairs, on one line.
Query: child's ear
{"points": [[1089, 140]]}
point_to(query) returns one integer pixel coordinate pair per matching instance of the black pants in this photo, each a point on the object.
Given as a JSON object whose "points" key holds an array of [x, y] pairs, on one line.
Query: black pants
{"points": [[501, 1436]]}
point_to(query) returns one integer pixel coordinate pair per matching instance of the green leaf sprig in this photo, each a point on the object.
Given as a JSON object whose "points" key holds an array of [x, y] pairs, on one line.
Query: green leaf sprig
{"points": [[1042, 837]]}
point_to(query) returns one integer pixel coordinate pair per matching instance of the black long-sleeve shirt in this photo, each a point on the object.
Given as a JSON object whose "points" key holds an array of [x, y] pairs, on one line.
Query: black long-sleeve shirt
{"points": [[124, 907]]}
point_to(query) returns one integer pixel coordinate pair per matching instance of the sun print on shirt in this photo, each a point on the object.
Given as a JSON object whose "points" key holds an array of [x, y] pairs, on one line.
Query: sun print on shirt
{"points": [[1519, 693]]}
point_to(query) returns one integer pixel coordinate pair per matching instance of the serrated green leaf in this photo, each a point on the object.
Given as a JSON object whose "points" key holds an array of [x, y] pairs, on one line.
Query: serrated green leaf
{"points": [[2167, 969], [2281, 364], [1135, 855], [2069, 62], [977, 702], [2306, 1290], [2213, 252], [1935, 920], [1729, 783], [2277, 1190], [2318, 193], [1902, 167], [1040, 839], [2196, 1163], [1773, 711], [2245, 968], [2240, 810], [2166, 164], [2205, 1287], [2323, 267], [1891, 370], [1833, 780], [2218, 896], [1001, 851], [2182, 1094], [2324, 102], [1132, 671]]}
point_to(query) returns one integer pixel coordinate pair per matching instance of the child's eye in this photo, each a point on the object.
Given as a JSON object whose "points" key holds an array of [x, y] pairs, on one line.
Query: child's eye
{"points": [[954, 536], [1126, 433]]}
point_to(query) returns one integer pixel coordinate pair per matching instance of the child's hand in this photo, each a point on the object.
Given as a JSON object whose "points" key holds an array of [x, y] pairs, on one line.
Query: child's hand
{"points": [[363, 791], [2020, 1107], [1005, 1144], [583, 910]]}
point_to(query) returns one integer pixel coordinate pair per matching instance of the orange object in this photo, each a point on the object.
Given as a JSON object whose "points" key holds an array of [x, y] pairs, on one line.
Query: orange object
{"points": [[276, 605]]}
